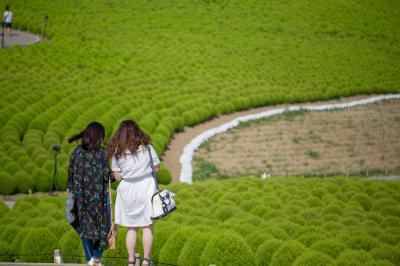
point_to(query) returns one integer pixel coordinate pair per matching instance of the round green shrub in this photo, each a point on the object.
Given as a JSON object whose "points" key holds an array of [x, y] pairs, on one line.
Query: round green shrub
{"points": [[24, 182], [21, 221], [383, 263], [18, 239], [23, 206], [266, 251], [275, 231], [162, 232], [7, 182], [41, 221], [287, 253], [12, 168], [391, 221], [255, 239], [332, 226], [354, 258], [226, 248], [387, 252], [33, 200], [391, 210], [71, 245], [364, 241], [309, 238], [224, 212], [171, 250], [5, 252], [9, 232], [238, 226], [164, 175], [41, 179], [312, 258], [39, 241], [3, 209], [58, 228], [193, 248], [331, 247]]}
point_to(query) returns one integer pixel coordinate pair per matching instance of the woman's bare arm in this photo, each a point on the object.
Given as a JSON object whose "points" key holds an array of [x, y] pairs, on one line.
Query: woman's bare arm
{"points": [[117, 176]]}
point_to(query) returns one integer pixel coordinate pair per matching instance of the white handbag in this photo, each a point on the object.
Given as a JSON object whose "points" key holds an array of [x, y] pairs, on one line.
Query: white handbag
{"points": [[163, 201]]}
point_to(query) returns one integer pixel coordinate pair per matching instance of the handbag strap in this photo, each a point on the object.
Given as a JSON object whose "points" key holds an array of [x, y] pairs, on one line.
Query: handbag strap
{"points": [[109, 195], [153, 170]]}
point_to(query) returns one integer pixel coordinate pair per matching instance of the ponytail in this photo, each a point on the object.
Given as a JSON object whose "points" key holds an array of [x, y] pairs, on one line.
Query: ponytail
{"points": [[76, 137], [91, 138]]}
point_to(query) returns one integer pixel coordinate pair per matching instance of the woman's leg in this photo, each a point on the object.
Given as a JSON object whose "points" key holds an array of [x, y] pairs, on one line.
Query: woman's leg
{"points": [[131, 237], [88, 248], [147, 240]]}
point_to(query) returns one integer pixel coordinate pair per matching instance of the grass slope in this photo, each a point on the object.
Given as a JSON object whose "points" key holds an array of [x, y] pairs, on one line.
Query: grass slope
{"points": [[174, 63]]}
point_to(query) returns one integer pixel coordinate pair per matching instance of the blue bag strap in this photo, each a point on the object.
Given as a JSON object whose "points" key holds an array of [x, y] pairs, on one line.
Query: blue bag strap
{"points": [[153, 170]]}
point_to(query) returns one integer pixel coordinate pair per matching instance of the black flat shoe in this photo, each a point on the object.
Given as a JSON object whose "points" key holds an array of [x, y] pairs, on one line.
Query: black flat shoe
{"points": [[131, 262]]}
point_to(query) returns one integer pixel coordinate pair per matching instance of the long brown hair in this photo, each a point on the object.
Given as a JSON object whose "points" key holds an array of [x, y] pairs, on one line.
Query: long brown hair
{"points": [[91, 137], [129, 136]]}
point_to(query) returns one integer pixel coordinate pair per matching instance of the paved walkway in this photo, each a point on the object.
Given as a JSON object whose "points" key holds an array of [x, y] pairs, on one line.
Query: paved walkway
{"points": [[18, 37]]}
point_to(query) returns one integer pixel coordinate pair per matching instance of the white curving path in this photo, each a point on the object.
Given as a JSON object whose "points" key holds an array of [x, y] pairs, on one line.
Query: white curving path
{"points": [[188, 151]]}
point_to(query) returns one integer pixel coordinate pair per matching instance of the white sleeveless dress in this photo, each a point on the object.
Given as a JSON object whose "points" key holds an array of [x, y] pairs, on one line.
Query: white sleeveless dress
{"points": [[134, 192]]}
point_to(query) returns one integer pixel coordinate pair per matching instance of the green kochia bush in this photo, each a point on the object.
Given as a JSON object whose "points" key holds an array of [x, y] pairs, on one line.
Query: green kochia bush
{"points": [[164, 175], [7, 182], [312, 258], [8, 233], [39, 241], [193, 248], [354, 258], [18, 240], [287, 253], [227, 248], [387, 252], [266, 251], [3, 209], [171, 250], [5, 252], [24, 182], [71, 245], [331, 247]]}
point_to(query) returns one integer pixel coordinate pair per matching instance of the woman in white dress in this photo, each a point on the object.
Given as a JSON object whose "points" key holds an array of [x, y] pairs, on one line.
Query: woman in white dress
{"points": [[128, 148]]}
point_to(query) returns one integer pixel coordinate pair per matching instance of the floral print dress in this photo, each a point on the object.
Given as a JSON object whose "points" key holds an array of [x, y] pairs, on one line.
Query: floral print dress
{"points": [[88, 181]]}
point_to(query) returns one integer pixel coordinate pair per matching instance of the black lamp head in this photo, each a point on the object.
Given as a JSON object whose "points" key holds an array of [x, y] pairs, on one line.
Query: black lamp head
{"points": [[56, 148]]}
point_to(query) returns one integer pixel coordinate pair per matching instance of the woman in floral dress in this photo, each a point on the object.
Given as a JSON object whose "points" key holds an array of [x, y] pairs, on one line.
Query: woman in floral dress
{"points": [[88, 177]]}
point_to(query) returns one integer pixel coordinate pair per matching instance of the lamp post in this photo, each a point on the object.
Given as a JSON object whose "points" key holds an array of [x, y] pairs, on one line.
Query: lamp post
{"points": [[56, 150], [46, 19], [2, 34]]}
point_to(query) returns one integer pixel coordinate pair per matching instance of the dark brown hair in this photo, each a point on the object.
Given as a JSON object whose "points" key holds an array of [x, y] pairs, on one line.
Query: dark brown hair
{"points": [[91, 138], [129, 136]]}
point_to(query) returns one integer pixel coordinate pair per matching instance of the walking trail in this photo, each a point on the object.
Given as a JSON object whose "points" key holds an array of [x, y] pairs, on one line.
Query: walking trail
{"points": [[21, 38], [179, 140]]}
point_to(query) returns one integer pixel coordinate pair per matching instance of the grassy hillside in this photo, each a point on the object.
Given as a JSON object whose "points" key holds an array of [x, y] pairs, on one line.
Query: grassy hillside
{"points": [[168, 64], [245, 221]]}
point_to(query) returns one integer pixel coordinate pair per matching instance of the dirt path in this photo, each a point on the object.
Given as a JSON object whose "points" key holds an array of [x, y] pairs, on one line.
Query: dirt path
{"points": [[179, 140]]}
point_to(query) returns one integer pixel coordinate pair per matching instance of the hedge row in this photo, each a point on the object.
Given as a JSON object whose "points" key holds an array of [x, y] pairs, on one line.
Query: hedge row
{"points": [[278, 221]]}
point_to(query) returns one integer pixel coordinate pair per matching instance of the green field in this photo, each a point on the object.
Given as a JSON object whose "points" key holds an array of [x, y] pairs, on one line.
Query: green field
{"points": [[170, 64], [243, 221]]}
